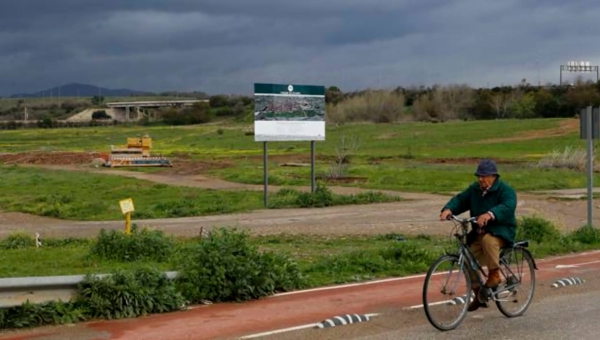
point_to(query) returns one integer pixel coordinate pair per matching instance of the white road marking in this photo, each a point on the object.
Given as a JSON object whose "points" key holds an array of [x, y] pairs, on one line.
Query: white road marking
{"points": [[291, 329], [393, 279], [297, 328]]}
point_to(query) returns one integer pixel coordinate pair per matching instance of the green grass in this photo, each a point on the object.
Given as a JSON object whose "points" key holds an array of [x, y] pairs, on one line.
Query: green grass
{"points": [[407, 175], [82, 196], [325, 260], [59, 261], [312, 253], [390, 156], [421, 140]]}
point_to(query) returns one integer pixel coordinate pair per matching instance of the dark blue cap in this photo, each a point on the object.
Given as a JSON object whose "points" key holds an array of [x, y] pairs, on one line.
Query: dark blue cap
{"points": [[486, 167]]}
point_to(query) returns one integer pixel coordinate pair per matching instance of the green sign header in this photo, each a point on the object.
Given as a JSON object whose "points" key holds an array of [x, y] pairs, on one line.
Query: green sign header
{"points": [[289, 89]]}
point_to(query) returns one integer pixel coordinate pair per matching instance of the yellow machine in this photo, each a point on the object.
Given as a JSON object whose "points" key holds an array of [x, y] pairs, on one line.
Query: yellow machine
{"points": [[135, 153]]}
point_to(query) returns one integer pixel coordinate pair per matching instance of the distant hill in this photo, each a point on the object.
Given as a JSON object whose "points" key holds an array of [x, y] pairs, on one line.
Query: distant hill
{"points": [[82, 90]]}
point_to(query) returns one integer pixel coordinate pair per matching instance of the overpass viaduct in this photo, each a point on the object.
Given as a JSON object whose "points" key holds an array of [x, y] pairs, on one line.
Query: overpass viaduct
{"points": [[134, 108]]}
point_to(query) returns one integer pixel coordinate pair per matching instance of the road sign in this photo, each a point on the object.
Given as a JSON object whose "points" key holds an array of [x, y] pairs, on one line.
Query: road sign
{"points": [[595, 122], [126, 206]]}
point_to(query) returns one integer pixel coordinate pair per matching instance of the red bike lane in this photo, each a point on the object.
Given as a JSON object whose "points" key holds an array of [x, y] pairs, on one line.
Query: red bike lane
{"points": [[230, 320]]}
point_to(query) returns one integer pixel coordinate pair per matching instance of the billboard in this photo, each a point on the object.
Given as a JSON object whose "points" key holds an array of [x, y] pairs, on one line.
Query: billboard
{"points": [[289, 112]]}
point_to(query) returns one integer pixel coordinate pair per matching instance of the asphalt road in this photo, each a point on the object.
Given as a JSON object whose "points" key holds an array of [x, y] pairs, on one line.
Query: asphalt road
{"points": [[571, 312]]}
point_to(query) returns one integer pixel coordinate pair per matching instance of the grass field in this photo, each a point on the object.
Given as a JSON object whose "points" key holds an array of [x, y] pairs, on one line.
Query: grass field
{"points": [[325, 260], [81, 196], [408, 157], [409, 140]]}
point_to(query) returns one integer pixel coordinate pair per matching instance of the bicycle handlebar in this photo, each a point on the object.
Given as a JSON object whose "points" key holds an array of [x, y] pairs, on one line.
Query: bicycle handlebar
{"points": [[462, 220]]}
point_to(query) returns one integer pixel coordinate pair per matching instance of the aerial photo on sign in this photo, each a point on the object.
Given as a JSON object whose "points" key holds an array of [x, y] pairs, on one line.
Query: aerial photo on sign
{"points": [[289, 108], [289, 112]]}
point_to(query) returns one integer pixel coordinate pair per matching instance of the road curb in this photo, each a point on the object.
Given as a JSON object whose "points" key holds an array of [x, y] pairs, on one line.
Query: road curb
{"points": [[343, 320], [568, 281]]}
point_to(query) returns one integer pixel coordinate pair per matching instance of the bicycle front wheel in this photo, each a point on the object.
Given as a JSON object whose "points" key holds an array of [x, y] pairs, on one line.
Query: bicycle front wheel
{"points": [[446, 293]]}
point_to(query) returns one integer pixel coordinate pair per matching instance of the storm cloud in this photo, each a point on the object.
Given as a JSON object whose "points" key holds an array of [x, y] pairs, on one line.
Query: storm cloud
{"points": [[224, 46]]}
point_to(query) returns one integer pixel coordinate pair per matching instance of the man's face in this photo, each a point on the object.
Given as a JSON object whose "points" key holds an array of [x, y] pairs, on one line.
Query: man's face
{"points": [[485, 182]]}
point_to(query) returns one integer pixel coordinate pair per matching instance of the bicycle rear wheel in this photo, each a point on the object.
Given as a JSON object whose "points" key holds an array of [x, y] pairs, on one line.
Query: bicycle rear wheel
{"points": [[516, 295], [446, 293]]}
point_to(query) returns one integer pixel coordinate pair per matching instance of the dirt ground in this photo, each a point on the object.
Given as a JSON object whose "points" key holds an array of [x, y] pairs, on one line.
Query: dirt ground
{"points": [[416, 215], [566, 127]]}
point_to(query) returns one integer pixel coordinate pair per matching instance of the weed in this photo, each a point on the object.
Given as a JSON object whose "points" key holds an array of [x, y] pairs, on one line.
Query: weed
{"points": [[129, 294], [537, 229], [569, 158], [139, 245], [19, 240], [586, 235], [226, 267]]}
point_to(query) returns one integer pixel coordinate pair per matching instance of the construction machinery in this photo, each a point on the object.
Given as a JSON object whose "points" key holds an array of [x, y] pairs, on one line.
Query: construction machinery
{"points": [[135, 153]]}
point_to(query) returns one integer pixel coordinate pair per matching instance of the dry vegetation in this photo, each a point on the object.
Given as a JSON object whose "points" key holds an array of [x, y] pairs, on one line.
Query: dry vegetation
{"points": [[569, 158], [371, 106], [444, 103]]}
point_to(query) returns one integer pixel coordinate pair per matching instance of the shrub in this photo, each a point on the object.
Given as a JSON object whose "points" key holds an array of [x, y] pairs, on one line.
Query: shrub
{"points": [[569, 158], [22, 240], [140, 245], [225, 267], [537, 229], [371, 106], [101, 114], [586, 235], [33, 315], [197, 114], [17, 241], [129, 294], [323, 197]]}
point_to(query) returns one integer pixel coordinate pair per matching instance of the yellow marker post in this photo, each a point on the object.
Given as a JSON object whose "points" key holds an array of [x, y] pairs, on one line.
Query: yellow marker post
{"points": [[127, 208]]}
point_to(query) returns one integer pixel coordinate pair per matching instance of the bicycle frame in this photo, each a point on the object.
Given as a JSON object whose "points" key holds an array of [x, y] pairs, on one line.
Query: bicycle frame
{"points": [[465, 256]]}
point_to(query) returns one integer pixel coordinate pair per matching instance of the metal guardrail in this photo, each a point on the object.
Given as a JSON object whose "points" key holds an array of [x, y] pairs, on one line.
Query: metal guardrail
{"points": [[40, 289]]}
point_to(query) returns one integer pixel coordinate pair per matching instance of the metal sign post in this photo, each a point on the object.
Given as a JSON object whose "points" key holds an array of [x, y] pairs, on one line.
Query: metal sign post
{"points": [[589, 130], [312, 165], [590, 166], [266, 173]]}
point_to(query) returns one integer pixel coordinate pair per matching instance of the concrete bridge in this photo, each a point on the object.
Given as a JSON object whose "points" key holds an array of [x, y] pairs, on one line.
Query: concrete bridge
{"points": [[138, 106]]}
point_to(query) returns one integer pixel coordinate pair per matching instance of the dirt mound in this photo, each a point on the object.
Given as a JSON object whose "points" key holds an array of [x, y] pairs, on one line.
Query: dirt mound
{"points": [[469, 161], [186, 166], [51, 158]]}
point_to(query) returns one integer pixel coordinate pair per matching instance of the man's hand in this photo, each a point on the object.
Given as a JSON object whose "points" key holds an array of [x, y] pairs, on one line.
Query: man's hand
{"points": [[482, 220], [445, 214]]}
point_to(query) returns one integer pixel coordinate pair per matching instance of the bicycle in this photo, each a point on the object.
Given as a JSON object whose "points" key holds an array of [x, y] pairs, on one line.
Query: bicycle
{"points": [[504, 295]]}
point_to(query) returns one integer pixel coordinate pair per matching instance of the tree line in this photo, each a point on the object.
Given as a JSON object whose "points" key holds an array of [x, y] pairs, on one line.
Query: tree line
{"points": [[463, 102]]}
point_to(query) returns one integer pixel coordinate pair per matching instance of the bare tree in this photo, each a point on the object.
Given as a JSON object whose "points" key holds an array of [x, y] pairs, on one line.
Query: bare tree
{"points": [[454, 100], [498, 103], [345, 148]]}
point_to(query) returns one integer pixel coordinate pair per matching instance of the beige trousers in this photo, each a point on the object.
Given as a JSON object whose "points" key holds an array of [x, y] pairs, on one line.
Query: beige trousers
{"points": [[486, 249]]}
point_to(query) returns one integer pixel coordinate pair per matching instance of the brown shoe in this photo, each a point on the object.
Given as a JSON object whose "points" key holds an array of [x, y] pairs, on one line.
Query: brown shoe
{"points": [[493, 278], [473, 306]]}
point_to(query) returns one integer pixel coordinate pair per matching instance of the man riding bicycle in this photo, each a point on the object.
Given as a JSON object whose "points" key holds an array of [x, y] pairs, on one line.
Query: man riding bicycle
{"points": [[493, 202]]}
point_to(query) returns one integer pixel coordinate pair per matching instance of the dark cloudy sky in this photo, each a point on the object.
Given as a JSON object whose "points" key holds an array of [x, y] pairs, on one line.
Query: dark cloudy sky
{"points": [[224, 46]]}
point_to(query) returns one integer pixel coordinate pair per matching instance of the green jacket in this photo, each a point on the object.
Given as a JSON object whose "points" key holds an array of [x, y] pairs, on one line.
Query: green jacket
{"points": [[500, 199]]}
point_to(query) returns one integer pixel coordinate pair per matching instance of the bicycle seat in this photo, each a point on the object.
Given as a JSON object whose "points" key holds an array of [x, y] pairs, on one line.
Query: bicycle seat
{"points": [[523, 244]]}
